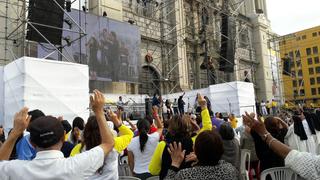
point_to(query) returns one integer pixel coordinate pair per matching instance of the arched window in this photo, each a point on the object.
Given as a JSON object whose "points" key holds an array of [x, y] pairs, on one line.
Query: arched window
{"points": [[150, 81]]}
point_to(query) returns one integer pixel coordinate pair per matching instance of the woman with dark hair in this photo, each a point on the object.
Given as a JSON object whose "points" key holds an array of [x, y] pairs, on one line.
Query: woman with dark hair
{"points": [[141, 148], [301, 134], [208, 150], [230, 145], [269, 159], [303, 163], [92, 138], [179, 131], [76, 132]]}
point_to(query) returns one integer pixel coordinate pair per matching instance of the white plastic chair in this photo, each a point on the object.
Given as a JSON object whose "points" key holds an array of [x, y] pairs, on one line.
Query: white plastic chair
{"points": [[128, 178], [279, 173], [244, 157], [123, 166], [153, 178]]}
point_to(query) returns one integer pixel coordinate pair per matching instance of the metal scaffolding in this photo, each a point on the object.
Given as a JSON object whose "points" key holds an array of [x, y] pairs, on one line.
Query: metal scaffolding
{"points": [[16, 20], [160, 16]]}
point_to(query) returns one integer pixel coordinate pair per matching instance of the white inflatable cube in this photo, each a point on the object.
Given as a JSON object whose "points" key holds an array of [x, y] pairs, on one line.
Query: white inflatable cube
{"points": [[57, 88]]}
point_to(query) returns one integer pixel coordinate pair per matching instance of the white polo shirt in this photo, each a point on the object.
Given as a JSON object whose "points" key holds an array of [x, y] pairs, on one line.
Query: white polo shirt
{"points": [[52, 165]]}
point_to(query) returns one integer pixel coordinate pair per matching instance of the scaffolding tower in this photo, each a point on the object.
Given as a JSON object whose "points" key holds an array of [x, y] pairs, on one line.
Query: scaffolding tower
{"points": [[14, 19], [162, 29]]}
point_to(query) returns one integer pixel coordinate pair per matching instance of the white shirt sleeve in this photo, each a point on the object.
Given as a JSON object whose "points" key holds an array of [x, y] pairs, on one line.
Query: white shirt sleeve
{"points": [[303, 163], [4, 170], [132, 144], [88, 162]]}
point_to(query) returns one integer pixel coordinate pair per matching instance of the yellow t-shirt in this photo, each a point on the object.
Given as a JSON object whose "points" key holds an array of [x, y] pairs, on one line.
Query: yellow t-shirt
{"points": [[66, 137], [120, 143], [268, 105], [273, 104], [155, 163]]}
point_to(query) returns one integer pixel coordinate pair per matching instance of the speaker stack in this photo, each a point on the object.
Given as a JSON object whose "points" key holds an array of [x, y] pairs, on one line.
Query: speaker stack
{"points": [[226, 61], [47, 17]]}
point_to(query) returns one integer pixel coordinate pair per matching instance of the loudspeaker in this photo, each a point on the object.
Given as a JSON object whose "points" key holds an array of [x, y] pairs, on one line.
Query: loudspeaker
{"points": [[226, 61], [148, 105], [286, 66], [48, 13]]}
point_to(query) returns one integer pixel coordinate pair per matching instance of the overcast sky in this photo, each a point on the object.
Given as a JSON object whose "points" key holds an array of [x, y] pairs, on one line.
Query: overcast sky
{"points": [[288, 16]]}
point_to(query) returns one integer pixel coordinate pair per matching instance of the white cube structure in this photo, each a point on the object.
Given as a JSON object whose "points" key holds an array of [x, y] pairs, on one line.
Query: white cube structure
{"points": [[233, 97], [57, 88]]}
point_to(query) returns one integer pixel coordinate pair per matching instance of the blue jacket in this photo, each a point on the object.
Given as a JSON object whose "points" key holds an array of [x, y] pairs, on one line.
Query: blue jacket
{"points": [[25, 151]]}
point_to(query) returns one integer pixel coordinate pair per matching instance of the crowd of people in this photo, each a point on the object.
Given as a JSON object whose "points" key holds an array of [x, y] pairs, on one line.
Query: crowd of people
{"points": [[267, 108], [197, 144]]}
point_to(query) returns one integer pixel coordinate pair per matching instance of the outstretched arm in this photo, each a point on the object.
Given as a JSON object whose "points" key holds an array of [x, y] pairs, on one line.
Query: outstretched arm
{"points": [[97, 102], [121, 142], [258, 126], [283, 124], [133, 127], [20, 123], [158, 122], [205, 116]]}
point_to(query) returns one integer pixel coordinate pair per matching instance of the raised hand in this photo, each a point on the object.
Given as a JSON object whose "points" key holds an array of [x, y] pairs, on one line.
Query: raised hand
{"points": [[155, 110], [114, 118], [256, 125], [191, 157], [201, 100], [119, 113], [21, 121], [97, 101], [177, 154]]}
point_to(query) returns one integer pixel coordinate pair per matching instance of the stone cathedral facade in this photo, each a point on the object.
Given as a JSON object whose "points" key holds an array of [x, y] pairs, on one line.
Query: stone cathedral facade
{"points": [[171, 34], [172, 43]]}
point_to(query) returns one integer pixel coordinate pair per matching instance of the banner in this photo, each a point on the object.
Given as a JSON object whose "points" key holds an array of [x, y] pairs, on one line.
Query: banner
{"points": [[111, 48]]}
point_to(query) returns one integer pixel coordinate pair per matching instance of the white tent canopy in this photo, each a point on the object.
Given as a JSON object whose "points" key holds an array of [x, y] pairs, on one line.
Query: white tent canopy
{"points": [[233, 97]]}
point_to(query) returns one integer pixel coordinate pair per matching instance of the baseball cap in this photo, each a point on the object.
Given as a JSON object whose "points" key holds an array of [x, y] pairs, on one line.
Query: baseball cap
{"points": [[46, 131]]}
